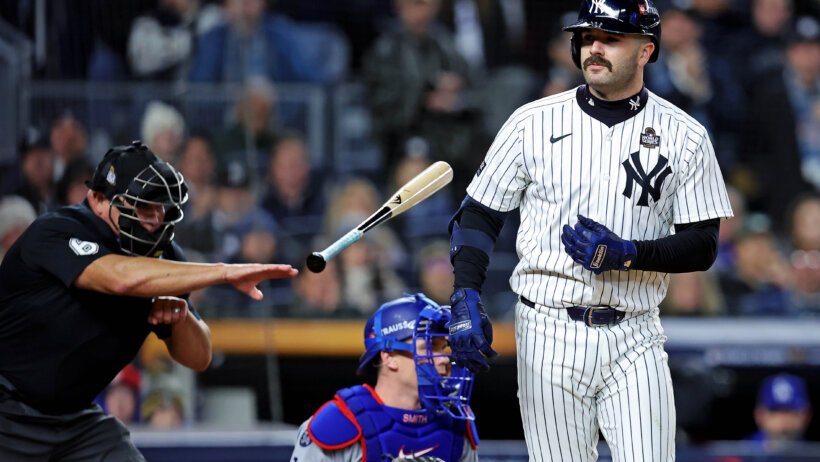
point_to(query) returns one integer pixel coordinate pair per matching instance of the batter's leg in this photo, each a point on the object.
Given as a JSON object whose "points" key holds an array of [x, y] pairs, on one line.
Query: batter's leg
{"points": [[555, 370], [637, 406]]}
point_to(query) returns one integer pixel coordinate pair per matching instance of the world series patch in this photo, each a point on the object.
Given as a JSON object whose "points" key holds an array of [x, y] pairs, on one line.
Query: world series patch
{"points": [[649, 139], [304, 439]]}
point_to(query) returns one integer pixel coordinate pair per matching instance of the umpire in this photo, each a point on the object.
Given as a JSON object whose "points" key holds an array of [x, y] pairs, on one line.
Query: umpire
{"points": [[80, 291]]}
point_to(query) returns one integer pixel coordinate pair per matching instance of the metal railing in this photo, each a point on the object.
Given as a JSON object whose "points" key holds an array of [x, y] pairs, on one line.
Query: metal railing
{"points": [[115, 109]]}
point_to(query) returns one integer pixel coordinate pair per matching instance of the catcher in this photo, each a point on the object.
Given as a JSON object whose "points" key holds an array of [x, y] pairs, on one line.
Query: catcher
{"points": [[419, 408]]}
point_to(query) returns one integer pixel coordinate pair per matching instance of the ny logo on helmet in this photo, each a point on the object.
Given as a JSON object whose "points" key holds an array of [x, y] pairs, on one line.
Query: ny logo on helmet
{"points": [[597, 6]]}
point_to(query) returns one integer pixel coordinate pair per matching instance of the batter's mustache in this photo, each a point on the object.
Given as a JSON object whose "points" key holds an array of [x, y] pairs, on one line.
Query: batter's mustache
{"points": [[597, 60]]}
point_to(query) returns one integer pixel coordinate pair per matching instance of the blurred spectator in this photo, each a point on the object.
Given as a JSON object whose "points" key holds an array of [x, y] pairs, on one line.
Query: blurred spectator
{"points": [[163, 130], [782, 413], [68, 141], [728, 228], [681, 73], [359, 20], [367, 267], [111, 23], [163, 40], [562, 73], [296, 195], [367, 277], [72, 188], [435, 273], [319, 294], [759, 49], [253, 131], [198, 167], [804, 222], [479, 29], [782, 145], [693, 294], [479, 32], [761, 281], [430, 218], [235, 213], [16, 213], [254, 43], [720, 24], [355, 196], [121, 398], [417, 84], [256, 245], [804, 227], [37, 176], [163, 408]]}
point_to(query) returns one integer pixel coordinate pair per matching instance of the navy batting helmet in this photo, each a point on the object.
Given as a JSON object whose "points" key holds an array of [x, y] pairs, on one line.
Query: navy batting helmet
{"points": [[132, 177], [618, 17]]}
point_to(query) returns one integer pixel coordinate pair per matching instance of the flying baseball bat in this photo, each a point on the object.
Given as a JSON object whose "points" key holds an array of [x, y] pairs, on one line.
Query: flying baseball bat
{"points": [[414, 191]]}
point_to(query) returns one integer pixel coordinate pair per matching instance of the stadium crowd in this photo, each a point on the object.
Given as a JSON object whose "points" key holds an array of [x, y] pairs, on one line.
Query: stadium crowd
{"points": [[439, 78]]}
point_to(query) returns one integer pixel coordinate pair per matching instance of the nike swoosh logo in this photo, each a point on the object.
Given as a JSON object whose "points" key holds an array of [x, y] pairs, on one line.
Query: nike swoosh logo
{"points": [[553, 139], [412, 455]]}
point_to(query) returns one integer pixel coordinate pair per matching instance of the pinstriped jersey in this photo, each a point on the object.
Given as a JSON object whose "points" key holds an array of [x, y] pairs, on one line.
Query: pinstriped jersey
{"points": [[638, 177]]}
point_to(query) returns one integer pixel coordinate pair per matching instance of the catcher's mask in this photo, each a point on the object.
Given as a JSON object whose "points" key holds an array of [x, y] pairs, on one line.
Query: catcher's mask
{"points": [[424, 322], [443, 394], [133, 178]]}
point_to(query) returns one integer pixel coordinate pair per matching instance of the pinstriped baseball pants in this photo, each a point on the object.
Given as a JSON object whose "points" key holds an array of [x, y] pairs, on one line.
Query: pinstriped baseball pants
{"points": [[574, 380]]}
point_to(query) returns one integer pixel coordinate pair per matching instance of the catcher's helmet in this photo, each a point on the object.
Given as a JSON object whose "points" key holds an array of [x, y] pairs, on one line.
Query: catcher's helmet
{"points": [[130, 177], [618, 17], [416, 318]]}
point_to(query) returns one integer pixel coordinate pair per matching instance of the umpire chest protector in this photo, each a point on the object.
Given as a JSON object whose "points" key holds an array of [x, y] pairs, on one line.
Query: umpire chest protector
{"points": [[356, 414]]}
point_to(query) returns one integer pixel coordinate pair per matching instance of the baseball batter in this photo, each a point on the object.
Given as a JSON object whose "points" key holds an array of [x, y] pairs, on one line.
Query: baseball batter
{"points": [[616, 188]]}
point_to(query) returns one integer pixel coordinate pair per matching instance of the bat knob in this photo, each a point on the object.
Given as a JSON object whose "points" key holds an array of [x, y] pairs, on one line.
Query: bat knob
{"points": [[316, 262]]}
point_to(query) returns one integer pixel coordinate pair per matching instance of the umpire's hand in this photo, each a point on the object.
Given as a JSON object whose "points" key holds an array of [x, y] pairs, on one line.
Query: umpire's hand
{"points": [[245, 277], [168, 310], [471, 333]]}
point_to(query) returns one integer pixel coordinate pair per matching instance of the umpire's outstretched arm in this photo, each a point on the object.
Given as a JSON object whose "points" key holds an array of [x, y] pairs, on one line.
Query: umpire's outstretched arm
{"points": [[152, 277]]}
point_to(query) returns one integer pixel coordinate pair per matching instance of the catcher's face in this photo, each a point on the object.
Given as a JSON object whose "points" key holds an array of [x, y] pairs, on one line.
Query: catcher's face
{"points": [[441, 352]]}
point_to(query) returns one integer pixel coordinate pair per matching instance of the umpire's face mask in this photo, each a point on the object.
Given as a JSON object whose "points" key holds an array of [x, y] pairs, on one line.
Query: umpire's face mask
{"points": [[149, 209]]}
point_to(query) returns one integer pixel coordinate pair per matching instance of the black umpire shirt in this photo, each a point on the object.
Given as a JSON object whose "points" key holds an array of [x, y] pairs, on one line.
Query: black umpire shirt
{"points": [[59, 345]]}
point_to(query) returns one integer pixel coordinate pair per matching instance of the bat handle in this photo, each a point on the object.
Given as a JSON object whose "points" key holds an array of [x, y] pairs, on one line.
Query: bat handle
{"points": [[341, 244]]}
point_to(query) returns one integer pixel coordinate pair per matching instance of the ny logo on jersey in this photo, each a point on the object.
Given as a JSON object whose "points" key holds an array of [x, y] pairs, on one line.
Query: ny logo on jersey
{"points": [[596, 6], [651, 182]]}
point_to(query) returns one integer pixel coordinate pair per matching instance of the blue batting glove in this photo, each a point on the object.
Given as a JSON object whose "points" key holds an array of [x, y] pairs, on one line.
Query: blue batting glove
{"points": [[471, 333], [596, 248]]}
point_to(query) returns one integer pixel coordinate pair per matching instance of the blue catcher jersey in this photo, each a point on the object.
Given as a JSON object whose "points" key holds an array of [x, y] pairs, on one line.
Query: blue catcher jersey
{"points": [[357, 415]]}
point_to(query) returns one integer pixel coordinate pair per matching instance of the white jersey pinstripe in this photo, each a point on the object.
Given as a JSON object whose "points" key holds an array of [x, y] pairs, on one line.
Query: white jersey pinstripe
{"points": [[554, 161], [639, 177]]}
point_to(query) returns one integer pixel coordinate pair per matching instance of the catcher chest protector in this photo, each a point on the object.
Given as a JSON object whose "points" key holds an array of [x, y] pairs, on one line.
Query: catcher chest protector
{"points": [[618, 17], [356, 415]]}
